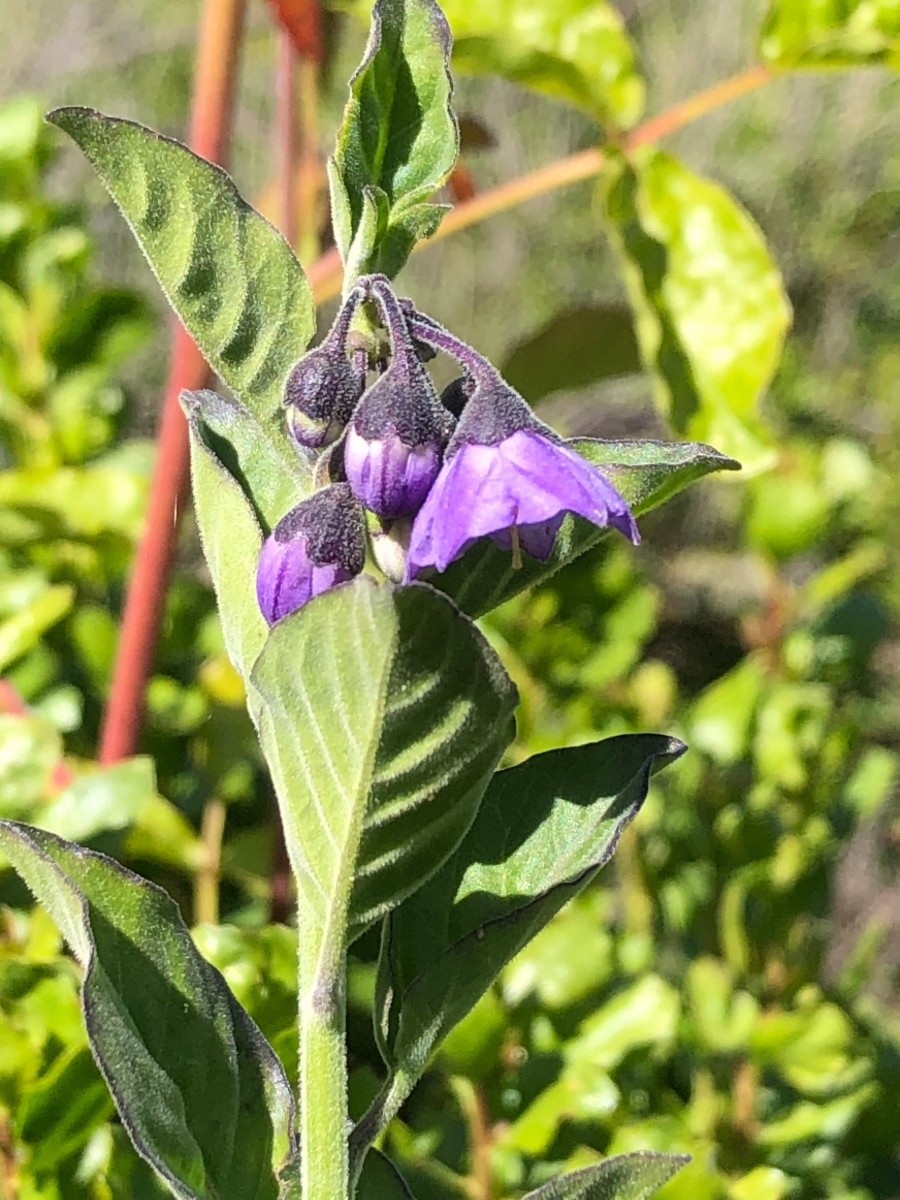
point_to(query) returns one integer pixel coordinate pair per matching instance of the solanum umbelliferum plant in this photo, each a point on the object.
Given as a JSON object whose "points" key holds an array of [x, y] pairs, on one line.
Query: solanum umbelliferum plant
{"points": [[356, 524]]}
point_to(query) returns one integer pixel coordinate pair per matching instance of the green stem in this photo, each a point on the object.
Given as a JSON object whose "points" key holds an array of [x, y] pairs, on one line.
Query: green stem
{"points": [[325, 1169]]}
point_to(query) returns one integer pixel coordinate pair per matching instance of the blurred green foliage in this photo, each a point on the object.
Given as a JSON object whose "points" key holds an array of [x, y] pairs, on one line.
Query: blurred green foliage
{"points": [[702, 997]]}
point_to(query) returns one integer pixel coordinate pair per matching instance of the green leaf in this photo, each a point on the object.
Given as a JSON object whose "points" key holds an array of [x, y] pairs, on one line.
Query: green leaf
{"points": [[709, 301], [577, 50], [380, 1180], [543, 830], [228, 274], [271, 471], [645, 472], [384, 714], [232, 540], [21, 631], [626, 1177], [577, 348], [108, 798], [398, 140], [198, 1088], [831, 33], [30, 748]]}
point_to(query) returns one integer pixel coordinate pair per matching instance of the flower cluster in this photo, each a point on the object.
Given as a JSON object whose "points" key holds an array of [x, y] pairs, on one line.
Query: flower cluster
{"points": [[424, 475]]}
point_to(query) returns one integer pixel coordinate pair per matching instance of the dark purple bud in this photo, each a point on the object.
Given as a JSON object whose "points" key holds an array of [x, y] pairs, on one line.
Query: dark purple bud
{"points": [[392, 451], [508, 476], [457, 394], [317, 545], [323, 388]]}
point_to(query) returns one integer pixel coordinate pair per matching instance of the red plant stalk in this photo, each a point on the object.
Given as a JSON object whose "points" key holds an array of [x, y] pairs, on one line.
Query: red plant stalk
{"points": [[218, 48]]}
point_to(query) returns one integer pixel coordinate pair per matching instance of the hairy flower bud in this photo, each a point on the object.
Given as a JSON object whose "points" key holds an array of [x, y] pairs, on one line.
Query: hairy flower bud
{"points": [[392, 452], [318, 544], [324, 386]]}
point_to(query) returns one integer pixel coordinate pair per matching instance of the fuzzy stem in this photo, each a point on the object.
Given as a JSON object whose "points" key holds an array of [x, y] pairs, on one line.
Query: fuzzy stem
{"points": [[221, 30], [325, 1173]]}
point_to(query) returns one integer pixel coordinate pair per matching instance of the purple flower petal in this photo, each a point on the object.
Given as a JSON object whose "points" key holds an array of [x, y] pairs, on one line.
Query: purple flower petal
{"points": [[524, 480]]}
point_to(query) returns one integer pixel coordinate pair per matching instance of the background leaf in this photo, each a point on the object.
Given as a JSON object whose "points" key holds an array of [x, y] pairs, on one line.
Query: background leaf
{"points": [[625, 1177], [384, 714], [709, 301], [229, 275], [578, 347], [398, 140], [645, 472], [380, 1180], [198, 1088], [797, 33], [543, 830], [576, 50]]}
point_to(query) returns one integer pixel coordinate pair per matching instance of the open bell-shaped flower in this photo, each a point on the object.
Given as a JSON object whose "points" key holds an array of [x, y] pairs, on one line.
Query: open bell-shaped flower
{"points": [[393, 447], [508, 476], [317, 545], [323, 388]]}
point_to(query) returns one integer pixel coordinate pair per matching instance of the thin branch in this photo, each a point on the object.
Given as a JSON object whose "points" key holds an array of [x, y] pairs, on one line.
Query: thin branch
{"points": [[221, 30], [326, 274], [206, 881]]}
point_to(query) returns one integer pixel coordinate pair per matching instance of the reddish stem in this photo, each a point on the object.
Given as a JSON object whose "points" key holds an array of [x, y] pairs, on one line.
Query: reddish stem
{"points": [[221, 29]]}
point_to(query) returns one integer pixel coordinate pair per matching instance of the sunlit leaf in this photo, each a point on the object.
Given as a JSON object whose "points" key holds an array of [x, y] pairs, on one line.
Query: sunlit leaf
{"points": [[21, 631], [831, 33], [625, 1177], [577, 50], [398, 140], [198, 1088], [709, 301], [384, 713], [228, 273], [543, 830]]}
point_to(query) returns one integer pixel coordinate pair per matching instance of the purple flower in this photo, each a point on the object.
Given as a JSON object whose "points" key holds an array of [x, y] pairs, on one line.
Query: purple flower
{"points": [[318, 544], [508, 476], [392, 452]]}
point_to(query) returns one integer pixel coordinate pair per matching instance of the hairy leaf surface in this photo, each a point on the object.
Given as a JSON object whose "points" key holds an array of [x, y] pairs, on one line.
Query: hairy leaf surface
{"points": [[398, 139], [228, 274], [626, 1177], [200, 1091], [543, 830], [384, 714]]}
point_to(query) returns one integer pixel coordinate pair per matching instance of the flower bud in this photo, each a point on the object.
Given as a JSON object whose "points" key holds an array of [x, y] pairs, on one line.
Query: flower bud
{"points": [[392, 452], [324, 386], [317, 545]]}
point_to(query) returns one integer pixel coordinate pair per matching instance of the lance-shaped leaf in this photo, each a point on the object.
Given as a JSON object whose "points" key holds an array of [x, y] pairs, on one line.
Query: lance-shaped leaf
{"points": [[384, 714], [543, 830], [645, 472], [232, 540], [797, 33], [200, 1091], [577, 50], [709, 301], [398, 140], [626, 1177], [228, 274]]}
